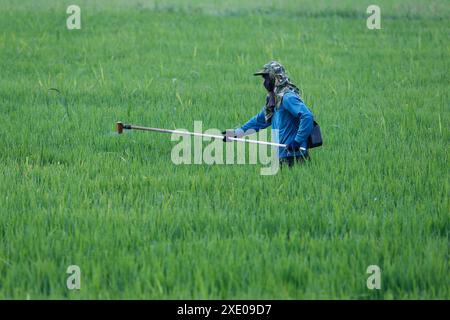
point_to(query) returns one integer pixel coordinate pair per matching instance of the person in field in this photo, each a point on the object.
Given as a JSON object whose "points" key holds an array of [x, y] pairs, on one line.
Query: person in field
{"points": [[285, 111]]}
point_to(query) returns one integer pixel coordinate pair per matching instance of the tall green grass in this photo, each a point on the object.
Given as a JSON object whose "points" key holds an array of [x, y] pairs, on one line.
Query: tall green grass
{"points": [[73, 192]]}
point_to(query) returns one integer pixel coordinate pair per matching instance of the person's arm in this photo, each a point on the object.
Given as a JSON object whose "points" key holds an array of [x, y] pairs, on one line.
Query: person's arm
{"points": [[297, 108], [256, 123]]}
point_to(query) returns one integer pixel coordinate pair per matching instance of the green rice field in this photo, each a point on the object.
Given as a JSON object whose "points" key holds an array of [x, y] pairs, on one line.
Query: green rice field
{"points": [[74, 192]]}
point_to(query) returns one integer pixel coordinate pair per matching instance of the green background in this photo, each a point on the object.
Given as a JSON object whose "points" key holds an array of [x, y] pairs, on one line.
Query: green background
{"points": [[74, 192]]}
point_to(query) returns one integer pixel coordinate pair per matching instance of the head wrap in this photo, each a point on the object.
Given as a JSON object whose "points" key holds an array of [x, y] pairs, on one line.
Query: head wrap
{"points": [[282, 85]]}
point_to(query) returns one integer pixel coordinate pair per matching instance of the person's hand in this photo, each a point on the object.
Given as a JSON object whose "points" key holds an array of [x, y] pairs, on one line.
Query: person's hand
{"points": [[227, 134], [294, 146]]}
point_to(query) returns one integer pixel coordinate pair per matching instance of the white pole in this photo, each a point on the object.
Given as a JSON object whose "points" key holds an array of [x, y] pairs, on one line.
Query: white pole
{"points": [[129, 126]]}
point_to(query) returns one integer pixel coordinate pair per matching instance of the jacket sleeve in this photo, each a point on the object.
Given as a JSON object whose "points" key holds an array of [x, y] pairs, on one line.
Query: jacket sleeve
{"points": [[298, 109], [256, 123]]}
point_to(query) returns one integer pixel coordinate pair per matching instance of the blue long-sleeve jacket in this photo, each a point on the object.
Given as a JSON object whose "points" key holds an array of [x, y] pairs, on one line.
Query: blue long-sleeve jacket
{"points": [[292, 119]]}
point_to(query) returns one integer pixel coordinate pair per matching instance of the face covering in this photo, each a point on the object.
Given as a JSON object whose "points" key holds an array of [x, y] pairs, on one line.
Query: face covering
{"points": [[271, 99], [269, 82]]}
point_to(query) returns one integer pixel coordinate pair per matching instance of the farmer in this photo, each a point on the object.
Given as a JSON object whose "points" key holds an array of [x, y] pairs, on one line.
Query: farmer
{"points": [[285, 111]]}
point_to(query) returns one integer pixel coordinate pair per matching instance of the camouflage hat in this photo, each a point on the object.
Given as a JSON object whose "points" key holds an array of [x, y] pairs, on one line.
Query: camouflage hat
{"points": [[273, 67]]}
